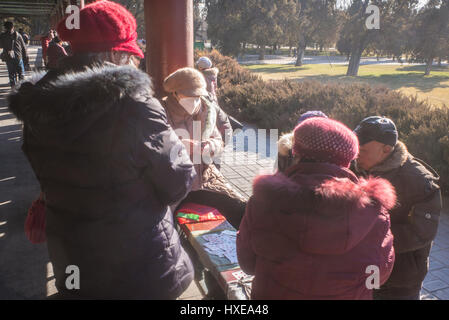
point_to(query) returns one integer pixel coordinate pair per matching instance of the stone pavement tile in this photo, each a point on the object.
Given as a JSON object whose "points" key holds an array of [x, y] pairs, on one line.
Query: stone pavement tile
{"points": [[441, 255], [442, 238], [435, 264], [444, 220], [445, 254], [442, 294], [191, 293], [435, 285], [238, 168], [442, 234], [442, 243], [232, 176], [241, 182], [442, 274], [435, 248], [442, 227], [427, 296], [430, 277]]}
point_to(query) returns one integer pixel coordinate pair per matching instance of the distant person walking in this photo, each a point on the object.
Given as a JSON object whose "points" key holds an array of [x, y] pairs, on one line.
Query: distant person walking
{"points": [[14, 53], [45, 42], [55, 53], [25, 36], [210, 73], [26, 40], [204, 64]]}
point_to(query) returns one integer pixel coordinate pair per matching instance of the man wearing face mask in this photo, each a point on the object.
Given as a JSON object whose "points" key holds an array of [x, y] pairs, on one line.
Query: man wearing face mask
{"points": [[203, 128]]}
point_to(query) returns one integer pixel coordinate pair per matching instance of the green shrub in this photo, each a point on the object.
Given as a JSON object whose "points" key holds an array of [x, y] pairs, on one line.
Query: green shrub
{"points": [[278, 104]]}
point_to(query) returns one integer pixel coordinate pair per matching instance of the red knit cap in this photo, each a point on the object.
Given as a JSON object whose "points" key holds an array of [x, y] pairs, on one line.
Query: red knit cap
{"points": [[325, 140], [104, 26]]}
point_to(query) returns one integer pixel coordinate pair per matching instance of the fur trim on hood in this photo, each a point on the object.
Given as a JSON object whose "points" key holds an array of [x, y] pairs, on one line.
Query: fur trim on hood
{"points": [[76, 94], [212, 72], [321, 208], [285, 144], [334, 190]]}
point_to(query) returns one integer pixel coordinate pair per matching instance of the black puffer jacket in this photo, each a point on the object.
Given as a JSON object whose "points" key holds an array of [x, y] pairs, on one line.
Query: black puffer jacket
{"points": [[109, 165]]}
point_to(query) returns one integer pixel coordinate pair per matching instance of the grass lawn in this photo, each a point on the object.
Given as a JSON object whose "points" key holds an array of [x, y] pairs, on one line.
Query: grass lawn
{"points": [[407, 79]]}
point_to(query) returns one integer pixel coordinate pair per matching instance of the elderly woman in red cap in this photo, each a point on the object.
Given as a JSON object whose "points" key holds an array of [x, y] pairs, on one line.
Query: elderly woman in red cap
{"points": [[317, 231], [108, 163]]}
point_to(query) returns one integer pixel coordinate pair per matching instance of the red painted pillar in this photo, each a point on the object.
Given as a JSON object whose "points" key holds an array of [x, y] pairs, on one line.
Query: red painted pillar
{"points": [[169, 38]]}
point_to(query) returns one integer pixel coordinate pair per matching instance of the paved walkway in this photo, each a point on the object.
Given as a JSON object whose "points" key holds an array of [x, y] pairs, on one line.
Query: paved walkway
{"points": [[335, 60], [25, 270]]}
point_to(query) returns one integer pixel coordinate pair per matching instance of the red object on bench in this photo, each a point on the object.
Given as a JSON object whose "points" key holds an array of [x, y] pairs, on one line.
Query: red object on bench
{"points": [[203, 213], [35, 222]]}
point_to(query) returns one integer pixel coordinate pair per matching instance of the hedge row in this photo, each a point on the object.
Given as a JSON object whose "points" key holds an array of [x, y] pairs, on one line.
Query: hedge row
{"points": [[278, 104]]}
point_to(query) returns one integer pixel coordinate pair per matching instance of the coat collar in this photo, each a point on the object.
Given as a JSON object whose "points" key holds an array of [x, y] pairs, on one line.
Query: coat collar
{"points": [[327, 183], [319, 208], [47, 99], [396, 160], [212, 72]]}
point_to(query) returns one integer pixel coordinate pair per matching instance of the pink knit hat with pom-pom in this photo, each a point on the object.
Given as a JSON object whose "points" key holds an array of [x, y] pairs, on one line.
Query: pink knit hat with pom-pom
{"points": [[325, 140]]}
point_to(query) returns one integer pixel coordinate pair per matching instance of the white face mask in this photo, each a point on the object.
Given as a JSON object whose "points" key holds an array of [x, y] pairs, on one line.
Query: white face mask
{"points": [[191, 104]]}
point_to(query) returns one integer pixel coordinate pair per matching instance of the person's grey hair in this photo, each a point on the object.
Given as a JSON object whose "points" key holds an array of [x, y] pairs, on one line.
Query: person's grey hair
{"points": [[116, 57]]}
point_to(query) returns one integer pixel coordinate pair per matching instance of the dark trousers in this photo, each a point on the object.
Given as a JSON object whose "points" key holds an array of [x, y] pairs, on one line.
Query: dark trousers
{"points": [[411, 293], [405, 282], [16, 71]]}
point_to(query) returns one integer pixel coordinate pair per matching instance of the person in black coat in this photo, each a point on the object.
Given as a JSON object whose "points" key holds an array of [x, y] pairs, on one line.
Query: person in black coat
{"points": [[14, 53], [110, 166]]}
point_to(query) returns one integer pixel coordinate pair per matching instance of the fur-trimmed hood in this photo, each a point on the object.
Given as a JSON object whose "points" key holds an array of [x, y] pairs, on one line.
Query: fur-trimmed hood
{"points": [[210, 73], [399, 158], [76, 97], [323, 208], [285, 144]]}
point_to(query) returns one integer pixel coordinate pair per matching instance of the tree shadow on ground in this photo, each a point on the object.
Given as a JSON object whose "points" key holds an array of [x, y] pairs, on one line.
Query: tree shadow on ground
{"points": [[422, 68], [409, 80], [280, 69], [392, 81]]}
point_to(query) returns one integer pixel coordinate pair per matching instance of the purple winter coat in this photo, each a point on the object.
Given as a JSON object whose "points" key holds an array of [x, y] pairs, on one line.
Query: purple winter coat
{"points": [[312, 233]]}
